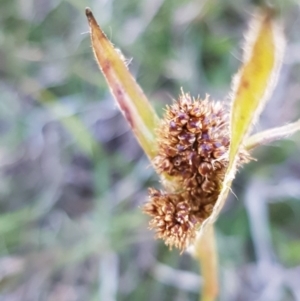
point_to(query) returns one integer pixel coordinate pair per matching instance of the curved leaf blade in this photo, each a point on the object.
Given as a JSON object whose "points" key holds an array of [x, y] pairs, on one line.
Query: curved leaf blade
{"points": [[132, 102], [252, 86], [254, 83]]}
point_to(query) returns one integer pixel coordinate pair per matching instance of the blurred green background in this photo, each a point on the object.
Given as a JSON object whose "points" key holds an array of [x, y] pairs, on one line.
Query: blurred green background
{"points": [[73, 178]]}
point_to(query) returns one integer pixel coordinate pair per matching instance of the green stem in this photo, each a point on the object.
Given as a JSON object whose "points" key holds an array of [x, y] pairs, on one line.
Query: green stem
{"points": [[206, 254]]}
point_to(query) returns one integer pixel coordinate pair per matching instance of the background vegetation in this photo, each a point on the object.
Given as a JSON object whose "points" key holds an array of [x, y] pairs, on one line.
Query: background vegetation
{"points": [[73, 176]]}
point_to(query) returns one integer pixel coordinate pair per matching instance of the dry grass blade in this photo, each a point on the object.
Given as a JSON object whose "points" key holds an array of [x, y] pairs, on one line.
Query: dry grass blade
{"points": [[132, 102]]}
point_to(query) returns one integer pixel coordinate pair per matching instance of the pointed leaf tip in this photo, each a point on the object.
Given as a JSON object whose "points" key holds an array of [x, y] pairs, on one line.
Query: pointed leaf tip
{"points": [[91, 19], [131, 100], [88, 12]]}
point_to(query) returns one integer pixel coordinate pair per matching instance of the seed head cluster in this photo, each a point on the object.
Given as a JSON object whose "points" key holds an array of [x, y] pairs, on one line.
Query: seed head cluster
{"points": [[193, 141]]}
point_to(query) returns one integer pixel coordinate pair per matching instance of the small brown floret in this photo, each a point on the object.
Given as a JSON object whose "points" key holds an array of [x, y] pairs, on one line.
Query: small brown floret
{"points": [[172, 218]]}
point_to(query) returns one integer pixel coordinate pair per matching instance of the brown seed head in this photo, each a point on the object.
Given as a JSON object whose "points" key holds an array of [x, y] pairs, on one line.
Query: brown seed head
{"points": [[193, 141]]}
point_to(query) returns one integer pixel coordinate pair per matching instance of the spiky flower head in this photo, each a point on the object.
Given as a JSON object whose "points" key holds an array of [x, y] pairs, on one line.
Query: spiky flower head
{"points": [[193, 141]]}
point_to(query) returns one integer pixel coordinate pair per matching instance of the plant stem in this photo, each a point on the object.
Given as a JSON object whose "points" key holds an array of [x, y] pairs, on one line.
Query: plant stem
{"points": [[271, 135], [206, 254]]}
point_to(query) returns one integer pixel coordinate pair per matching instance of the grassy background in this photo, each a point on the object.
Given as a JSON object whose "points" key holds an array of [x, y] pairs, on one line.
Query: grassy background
{"points": [[73, 177]]}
